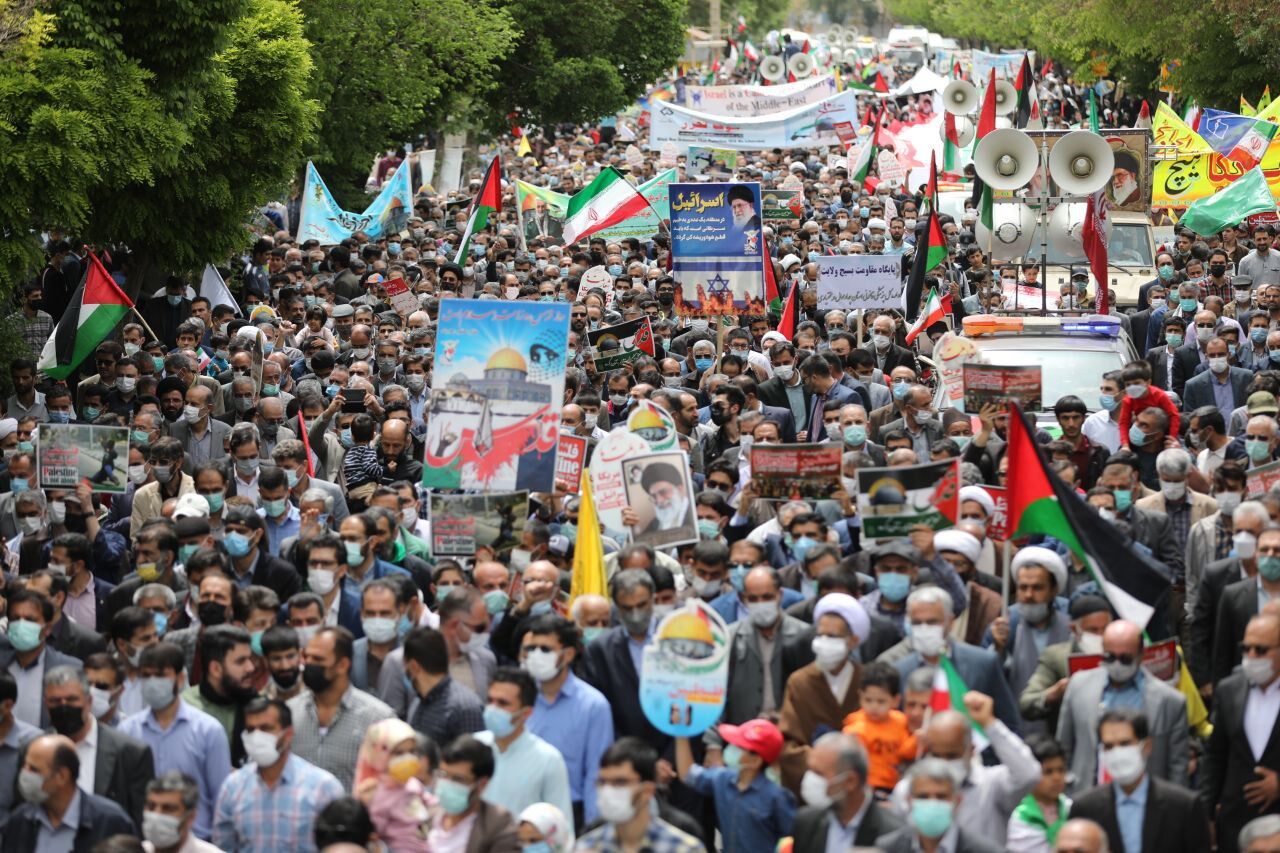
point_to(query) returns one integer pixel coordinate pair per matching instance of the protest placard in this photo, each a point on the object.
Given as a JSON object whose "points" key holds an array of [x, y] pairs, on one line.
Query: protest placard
{"points": [[891, 171], [952, 352], [685, 671], [705, 162], [891, 501], [1158, 659], [998, 523], [70, 453], [493, 421], [660, 492], [795, 471], [1258, 481], [853, 282], [782, 204], [614, 346], [402, 299], [1001, 383], [718, 253], [570, 459], [462, 523]]}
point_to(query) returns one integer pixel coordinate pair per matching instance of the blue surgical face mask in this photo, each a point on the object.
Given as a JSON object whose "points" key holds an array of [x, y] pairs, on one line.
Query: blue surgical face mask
{"points": [[1136, 436], [738, 576], [1258, 335], [91, 413], [703, 363], [901, 390], [174, 300], [1187, 304], [346, 439], [801, 546], [1109, 402], [1124, 499], [158, 362], [855, 435], [894, 586], [56, 417], [615, 270], [864, 212]]}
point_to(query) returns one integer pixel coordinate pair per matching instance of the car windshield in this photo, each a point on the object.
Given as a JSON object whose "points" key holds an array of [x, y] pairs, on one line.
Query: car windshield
{"points": [[1128, 247], [1063, 370]]}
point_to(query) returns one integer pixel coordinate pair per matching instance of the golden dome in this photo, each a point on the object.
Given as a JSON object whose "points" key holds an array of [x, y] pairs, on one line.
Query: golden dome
{"points": [[507, 359], [645, 418], [687, 626]]}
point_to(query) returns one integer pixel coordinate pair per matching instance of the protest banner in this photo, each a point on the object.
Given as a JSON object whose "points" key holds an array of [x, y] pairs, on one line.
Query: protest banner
{"points": [[710, 162], [893, 500], [1258, 481], [782, 204], [998, 523], [718, 253], [614, 346], [685, 671], [952, 352], [759, 100], [660, 492], [570, 458], [1158, 659], [891, 171], [795, 471], [462, 523], [607, 485], [403, 301], [1001, 383], [323, 220], [811, 126], [67, 454], [853, 282], [493, 420]]}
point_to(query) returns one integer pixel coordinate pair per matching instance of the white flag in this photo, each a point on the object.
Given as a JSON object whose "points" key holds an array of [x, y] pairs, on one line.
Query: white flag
{"points": [[213, 288]]}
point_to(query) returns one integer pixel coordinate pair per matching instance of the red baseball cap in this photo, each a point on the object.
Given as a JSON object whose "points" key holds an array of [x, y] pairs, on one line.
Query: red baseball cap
{"points": [[759, 736]]}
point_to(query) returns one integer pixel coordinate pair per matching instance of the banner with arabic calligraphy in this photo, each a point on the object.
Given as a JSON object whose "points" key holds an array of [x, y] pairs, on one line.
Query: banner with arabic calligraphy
{"points": [[759, 100], [493, 422], [322, 219], [806, 127], [717, 252], [1192, 170]]}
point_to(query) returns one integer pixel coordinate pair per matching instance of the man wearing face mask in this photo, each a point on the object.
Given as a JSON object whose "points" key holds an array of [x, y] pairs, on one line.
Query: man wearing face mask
{"points": [[1241, 757], [785, 389], [887, 354], [1042, 697], [988, 793], [65, 635], [1154, 531], [181, 737], [1140, 810], [464, 622], [841, 810], [57, 814], [171, 481], [273, 783], [823, 693], [1206, 583], [933, 816], [928, 628], [1222, 384], [1121, 682], [27, 655], [112, 765]]}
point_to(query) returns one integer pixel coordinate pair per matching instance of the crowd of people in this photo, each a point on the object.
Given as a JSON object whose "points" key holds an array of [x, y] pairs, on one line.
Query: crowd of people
{"points": [[254, 647]]}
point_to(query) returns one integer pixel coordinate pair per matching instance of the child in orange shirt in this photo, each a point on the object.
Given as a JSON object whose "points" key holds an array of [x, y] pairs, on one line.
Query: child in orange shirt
{"points": [[881, 727]]}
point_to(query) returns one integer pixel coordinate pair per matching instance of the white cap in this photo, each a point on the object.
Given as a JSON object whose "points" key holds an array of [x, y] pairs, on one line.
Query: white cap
{"points": [[960, 542], [877, 222], [981, 496], [1034, 555], [191, 505], [787, 262]]}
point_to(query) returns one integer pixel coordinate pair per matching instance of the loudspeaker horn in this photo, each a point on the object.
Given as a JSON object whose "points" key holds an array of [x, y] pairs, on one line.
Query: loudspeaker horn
{"points": [[1081, 162], [960, 97], [835, 33], [837, 55], [1006, 98], [773, 69], [1006, 159], [1014, 228], [800, 64], [1066, 226], [964, 130]]}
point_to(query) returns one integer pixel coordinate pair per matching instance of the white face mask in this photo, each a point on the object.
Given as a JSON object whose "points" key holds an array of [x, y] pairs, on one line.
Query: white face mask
{"points": [[321, 581], [542, 665], [1245, 544], [928, 640], [162, 830], [1173, 491], [617, 805], [831, 652], [1090, 643], [1125, 764], [1257, 671], [261, 748], [813, 790], [137, 474]]}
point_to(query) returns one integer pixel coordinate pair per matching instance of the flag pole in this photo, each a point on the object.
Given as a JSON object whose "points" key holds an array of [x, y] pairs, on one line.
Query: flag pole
{"points": [[144, 323], [1004, 582]]}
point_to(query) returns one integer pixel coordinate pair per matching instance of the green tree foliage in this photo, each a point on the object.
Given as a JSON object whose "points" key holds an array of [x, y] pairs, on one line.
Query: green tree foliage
{"points": [[579, 60], [156, 123], [1128, 35], [386, 70]]}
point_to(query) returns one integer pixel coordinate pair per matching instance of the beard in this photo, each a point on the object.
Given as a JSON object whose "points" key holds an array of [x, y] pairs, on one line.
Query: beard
{"points": [[1125, 189], [673, 514], [740, 220]]}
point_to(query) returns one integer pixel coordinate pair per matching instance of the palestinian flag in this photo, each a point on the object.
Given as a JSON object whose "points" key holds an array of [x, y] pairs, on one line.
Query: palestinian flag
{"points": [[772, 296], [1024, 84], [932, 313], [488, 200], [948, 695], [880, 84], [790, 312], [950, 144], [931, 250], [1040, 502], [983, 199], [603, 203], [95, 308], [861, 168]]}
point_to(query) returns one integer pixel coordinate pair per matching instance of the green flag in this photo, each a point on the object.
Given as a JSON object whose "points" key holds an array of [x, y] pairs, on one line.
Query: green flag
{"points": [[1245, 196], [1093, 112]]}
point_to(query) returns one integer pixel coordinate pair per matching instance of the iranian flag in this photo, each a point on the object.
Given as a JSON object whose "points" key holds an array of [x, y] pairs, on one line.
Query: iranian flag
{"points": [[950, 144], [1042, 503], [931, 314], [861, 168], [96, 307], [749, 52], [1094, 237], [488, 200], [603, 203], [948, 695], [983, 198], [790, 312]]}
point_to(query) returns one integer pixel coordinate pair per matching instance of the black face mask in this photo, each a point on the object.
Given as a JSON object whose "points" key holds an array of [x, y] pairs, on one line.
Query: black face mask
{"points": [[315, 678], [211, 613], [66, 719]]}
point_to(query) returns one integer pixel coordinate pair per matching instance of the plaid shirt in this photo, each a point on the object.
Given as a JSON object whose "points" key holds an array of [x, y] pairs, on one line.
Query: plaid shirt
{"points": [[251, 816], [661, 837], [447, 711], [1208, 287], [1180, 517], [338, 748], [36, 331]]}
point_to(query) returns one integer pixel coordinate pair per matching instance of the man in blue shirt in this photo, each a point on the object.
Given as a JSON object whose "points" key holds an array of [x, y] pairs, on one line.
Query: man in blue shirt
{"points": [[569, 714], [282, 517]]}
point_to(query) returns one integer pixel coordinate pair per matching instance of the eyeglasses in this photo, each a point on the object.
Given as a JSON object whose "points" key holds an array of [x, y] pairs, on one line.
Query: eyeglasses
{"points": [[1107, 657]]}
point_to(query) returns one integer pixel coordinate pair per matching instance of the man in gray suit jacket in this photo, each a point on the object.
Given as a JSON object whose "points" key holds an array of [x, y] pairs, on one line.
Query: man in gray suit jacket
{"points": [[1120, 681], [1200, 388], [918, 402], [28, 662], [932, 781], [202, 436], [789, 642], [122, 765]]}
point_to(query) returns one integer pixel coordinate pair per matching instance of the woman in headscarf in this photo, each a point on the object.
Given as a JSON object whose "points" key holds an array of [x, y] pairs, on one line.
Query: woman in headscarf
{"points": [[545, 829]]}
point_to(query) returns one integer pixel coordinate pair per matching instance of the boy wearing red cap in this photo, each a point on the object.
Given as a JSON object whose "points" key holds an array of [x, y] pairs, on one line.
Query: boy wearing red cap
{"points": [[754, 811]]}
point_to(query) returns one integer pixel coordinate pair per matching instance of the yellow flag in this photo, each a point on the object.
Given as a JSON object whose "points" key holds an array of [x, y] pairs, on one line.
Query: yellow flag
{"points": [[1271, 112], [523, 148], [588, 551], [1197, 714], [1265, 100], [1168, 129], [1246, 109]]}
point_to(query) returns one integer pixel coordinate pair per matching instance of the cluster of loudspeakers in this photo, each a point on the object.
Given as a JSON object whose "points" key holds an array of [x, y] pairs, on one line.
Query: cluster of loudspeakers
{"points": [[774, 68]]}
